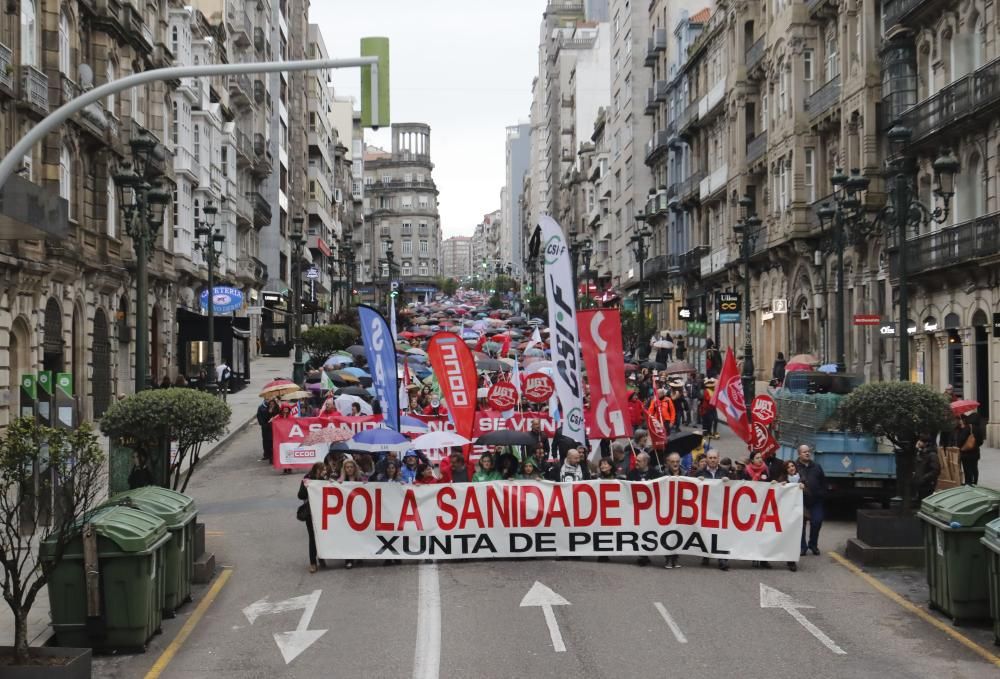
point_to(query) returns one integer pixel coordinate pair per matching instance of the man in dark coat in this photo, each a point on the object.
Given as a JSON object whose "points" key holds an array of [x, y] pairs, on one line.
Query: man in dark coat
{"points": [[812, 477], [928, 467]]}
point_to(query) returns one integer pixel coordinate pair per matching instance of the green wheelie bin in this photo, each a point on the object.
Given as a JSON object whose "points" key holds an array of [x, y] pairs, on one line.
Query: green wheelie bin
{"points": [[130, 547], [954, 521], [178, 512], [991, 541]]}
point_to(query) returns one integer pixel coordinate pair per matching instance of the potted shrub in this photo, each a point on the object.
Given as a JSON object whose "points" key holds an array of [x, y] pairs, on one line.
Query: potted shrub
{"points": [[49, 480], [147, 422], [900, 412]]}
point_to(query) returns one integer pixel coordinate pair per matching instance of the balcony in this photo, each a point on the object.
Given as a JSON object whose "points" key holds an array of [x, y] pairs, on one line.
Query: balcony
{"points": [[824, 98], [689, 188], [755, 53], [240, 89], [6, 70], [713, 183], [973, 95], [714, 261], [818, 8], [690, 262], [660, 90], [711, 100], [651, 54], [240, 27], [687, 117], [959, 245], [259, 42], [245, 267], [259, 89], [261, 210], [651, 104], [244, 209], [656, 145], [244, 148], [34, 91], [658, 266], [756, 147], [903, 11]]}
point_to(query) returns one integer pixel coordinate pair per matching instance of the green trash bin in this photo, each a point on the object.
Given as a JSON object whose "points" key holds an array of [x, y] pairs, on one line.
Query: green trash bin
{"points": [[178, 511], [954, 521], [130, 546], [991, 541]]}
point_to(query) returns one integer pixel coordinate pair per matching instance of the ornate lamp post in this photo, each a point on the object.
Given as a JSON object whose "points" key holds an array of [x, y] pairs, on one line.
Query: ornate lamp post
{"points": [[903, 213], [390, 258], [747, 230], [298, 243], [586, 252], [142, 200], [638, 242], [206, 230], [349, 260]]}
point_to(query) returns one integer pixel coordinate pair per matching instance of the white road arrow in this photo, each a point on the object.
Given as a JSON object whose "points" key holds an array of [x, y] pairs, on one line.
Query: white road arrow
{"points": [[540, 595], [291, 644], [772, 598]]}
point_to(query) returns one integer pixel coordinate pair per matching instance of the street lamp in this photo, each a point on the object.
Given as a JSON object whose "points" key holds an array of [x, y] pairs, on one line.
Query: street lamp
{"points": [[298, 243], [206, 230], [390, 262], [747, 230], [903, 212], [142, 200], [638, 242], [586, 252]]}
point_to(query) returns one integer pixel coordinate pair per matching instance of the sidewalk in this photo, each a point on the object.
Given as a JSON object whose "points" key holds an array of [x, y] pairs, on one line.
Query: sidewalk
{"points": [[244, 406]]}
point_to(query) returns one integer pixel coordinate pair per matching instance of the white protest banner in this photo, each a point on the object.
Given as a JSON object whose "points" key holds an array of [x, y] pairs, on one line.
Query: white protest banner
{"points": [[721, 519]]}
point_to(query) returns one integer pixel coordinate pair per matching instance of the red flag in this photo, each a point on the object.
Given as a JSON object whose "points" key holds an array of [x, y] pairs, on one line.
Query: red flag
{"points": [[600, 333], [729, 398], [654, 425], [505, 347], [455, 369]]}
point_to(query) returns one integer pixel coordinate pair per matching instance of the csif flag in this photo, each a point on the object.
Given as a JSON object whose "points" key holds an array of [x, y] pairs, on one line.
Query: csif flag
{"points": [[381, 353], [562, 326], [729, 399]]}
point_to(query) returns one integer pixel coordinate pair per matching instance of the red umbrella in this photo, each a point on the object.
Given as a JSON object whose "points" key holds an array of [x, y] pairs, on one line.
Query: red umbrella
{"points": [[964, 406], [329, 435], [798, 367], [408, 335]]}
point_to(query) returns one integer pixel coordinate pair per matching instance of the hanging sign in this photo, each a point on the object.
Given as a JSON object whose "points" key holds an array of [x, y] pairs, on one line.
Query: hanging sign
{"points": [[728, 306], [225, 299]]}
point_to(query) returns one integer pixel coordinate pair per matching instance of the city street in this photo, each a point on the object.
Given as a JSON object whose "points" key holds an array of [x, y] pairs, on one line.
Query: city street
{"points": [[614, 619]]}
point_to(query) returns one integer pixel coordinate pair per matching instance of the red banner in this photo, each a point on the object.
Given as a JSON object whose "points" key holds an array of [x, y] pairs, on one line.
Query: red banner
{"points": [[654, 425], [455, 368], [729, 398], [600, 333]]}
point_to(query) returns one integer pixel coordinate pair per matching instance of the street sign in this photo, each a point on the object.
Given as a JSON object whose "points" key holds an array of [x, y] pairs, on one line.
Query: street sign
{"points": [[312, 273], [779, 306], [888, 330], [394, 285], [728, 306], [685, 313], [654, 300], [867, 319]]}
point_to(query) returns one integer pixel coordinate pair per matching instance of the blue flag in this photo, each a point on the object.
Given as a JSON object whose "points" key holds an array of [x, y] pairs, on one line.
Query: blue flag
{"points": [[381, 353]]}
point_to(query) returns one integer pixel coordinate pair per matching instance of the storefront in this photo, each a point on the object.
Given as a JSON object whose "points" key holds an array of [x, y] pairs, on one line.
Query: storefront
{"points": [[276, 325], [232, 345]]}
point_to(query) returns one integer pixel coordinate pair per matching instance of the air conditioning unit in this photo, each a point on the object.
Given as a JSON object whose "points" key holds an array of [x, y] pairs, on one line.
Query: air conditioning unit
{"points": [[338, 196]]}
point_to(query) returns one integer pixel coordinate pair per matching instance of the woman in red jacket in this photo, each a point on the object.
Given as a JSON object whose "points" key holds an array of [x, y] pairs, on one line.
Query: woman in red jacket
{"points": [[635, 410]]}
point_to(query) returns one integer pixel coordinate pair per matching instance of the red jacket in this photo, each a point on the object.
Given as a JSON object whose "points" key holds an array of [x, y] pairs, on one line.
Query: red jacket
{"points": [[635, 412]]}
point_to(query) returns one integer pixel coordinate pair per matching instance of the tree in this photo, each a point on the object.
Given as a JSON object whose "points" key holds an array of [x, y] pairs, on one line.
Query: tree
{"points": [[447, 286], [321, 341], [49, 480], [901, 412], [148, 420]]}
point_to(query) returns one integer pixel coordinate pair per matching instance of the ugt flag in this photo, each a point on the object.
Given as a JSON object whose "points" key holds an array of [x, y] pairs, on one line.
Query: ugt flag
{"points": [[729, 397], [560, 295], [381, 353]]}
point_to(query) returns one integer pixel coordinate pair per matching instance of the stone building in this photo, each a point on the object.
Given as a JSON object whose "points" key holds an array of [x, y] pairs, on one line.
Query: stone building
{"points": [[456, 257]]}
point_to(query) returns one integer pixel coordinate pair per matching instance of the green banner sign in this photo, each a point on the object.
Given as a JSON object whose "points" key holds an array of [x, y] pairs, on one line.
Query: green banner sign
{"points": [[375, 114], [45, 381], [64, 381], [30, 386]]}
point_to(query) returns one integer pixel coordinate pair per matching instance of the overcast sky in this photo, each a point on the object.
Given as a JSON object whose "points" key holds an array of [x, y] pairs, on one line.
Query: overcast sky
{"points": [[462, 66]]}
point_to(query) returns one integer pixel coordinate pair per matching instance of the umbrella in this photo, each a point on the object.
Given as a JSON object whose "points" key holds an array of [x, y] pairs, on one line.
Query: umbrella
{"points": [[278, 387], [663, 344], [315, 386], [652, 365], [380, 440], [296, 395], [356, 350], [828, 368], [798, 367], [337, 360], [344, 402], [507, 437], [488, 365], [964, 406], [353, 391], [357, 372], [413, 351], [438, 439], [808, 359], [683, 443], [408, 335], [329, 435], [678, 367], [412, 425], [345, 376], [631, 367]]}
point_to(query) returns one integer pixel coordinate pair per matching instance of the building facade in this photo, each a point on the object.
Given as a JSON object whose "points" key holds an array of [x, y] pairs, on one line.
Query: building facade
{"points": [[518, 159], [456, 257]]}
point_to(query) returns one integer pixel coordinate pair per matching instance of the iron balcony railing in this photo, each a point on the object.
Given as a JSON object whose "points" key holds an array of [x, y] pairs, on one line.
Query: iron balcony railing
{"points": [[756, 146], [755, 53], [895, 11], [651, 53], [656, 266], [687, 116], [813, 6], [826, 96], [691, 185], [6, 69], [690, 261], [651, 104], [660, 88], [35, 88], [971, 94], [261, 209], [657, 144], [957, 245]]}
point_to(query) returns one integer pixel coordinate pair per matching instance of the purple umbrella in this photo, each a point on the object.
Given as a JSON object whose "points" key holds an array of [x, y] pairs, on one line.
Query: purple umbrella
{"points": [[379, 441]]}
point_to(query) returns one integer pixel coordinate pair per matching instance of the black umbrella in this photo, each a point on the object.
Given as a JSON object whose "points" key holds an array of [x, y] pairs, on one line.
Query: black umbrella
{"points": [[489, 364], [507, 437], [652, 365], [354, 391], [356, 350], [683, 443]]}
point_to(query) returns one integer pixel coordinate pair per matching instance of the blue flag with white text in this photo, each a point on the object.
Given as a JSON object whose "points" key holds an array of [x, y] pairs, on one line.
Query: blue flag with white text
{"points": [[381, 352]]}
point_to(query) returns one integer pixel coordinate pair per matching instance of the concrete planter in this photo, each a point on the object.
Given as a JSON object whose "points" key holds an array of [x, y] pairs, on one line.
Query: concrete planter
{"points": [[76, 664], [887, 537]]}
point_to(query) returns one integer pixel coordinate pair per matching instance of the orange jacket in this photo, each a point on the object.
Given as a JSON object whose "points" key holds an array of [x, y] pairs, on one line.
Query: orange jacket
{"points": [[667, 412]]}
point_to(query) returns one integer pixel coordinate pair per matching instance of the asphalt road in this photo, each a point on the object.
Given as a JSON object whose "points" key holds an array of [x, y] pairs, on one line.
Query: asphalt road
{"points": [[615, 623]]}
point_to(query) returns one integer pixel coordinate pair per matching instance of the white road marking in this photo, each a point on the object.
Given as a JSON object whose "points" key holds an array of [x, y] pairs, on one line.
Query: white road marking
{"points": [[291, 644], [427, 654], [772, 598], [671, 623], [541, 596]]}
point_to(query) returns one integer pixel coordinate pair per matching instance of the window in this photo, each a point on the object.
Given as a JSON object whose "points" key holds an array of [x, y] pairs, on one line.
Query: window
{"points": [[423, 228], [197, 142], [423, 270], [420, 178], [386, 178], [369, 180], [407, 247], [29, 33], [810, 175], [407, 228], [173, 40], [64, 65], [808, 70], [423, 246], [763, 112], [783, 185], [225, 161], [407, 269], [386, 244], [112, 207], [782, 90], [66, 177], [407, 178], [111, 75], [832, 56], [424, 202], [407, 201]]}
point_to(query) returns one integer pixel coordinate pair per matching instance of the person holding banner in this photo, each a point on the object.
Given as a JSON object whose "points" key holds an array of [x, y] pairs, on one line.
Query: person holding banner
{"points": [[485, 470], [317, 472]]}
